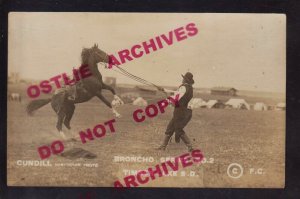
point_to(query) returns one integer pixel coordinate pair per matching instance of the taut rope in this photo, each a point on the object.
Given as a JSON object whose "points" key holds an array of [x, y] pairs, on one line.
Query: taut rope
{"points": [[134, 77]]}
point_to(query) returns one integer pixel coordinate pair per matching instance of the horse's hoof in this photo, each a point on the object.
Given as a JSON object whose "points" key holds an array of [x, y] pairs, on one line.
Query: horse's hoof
{"points": [[62, 135]]}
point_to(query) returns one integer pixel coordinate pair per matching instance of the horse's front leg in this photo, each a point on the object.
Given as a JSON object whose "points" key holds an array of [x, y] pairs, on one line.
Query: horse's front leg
{"points": [[116, 97], [107, 103], [107, 87]]}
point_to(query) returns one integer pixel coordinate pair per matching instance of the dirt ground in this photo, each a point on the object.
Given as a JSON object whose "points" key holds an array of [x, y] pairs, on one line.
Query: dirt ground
{"points": [[253, 139]]}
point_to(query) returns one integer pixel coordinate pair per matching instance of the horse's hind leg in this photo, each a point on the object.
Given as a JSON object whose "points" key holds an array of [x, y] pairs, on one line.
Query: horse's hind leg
{"points": [[60, 119], [59, 123], [57, 105], [58, 110], [69, 114]]}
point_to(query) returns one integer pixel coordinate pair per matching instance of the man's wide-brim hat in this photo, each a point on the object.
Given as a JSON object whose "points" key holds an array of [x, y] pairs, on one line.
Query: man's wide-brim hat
{"points": [[188, 78]]}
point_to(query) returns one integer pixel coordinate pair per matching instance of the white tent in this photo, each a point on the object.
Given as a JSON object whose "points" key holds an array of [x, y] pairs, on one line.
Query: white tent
{"points": [[215, 104], [129, 96], [140, 102], [238, 104], [211, 103], [196, 103], [280, 106], [259, 106]]}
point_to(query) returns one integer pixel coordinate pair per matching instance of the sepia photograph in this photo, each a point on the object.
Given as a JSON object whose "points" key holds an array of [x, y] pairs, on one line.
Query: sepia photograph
{"points": [[110, 99]]}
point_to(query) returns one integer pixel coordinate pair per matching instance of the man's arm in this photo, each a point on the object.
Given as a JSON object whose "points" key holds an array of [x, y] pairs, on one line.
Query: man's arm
{"points": [[181, 91], [168, 91]]}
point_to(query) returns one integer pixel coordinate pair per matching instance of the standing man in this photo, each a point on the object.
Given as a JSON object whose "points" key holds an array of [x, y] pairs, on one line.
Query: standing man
{"points": [[182, 113]]}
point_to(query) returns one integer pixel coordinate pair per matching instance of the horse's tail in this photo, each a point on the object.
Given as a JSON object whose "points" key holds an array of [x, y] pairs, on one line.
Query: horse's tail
{"points": [[36, 104]]}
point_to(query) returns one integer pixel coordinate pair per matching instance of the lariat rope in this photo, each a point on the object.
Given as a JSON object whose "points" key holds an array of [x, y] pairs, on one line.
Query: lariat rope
{"points": [[132, 77], [135, 78]]}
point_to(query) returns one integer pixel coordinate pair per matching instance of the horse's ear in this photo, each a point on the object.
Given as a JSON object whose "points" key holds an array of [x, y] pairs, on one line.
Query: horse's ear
{"points": [[97, 45]]}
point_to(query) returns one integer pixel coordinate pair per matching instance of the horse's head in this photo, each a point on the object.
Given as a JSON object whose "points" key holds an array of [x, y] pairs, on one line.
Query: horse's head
{"points": [[95, 54]]}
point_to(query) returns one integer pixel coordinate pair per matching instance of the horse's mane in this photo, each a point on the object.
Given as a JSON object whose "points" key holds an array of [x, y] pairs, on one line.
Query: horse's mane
{"points": [[85, 53]]}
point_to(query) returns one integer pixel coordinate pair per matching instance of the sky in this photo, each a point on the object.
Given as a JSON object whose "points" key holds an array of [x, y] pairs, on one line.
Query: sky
{"points": [[245, 51]]}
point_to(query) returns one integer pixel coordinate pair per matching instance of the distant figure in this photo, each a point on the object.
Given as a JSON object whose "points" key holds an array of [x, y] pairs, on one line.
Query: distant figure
{"points": [[14, 97], [182, 113]]}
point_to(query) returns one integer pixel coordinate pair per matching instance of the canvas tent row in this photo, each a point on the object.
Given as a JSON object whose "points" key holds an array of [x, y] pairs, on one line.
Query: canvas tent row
{"points": [[196, 103], [215, 104], [237, 104], [129, 97], [259, 106], [140, 102]]}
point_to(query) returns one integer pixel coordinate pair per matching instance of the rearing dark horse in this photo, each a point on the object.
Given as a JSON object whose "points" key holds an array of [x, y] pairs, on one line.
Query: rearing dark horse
{"points": [[85, 90]]}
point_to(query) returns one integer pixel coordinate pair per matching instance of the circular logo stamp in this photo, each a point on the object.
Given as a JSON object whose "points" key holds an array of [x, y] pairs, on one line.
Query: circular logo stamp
{"points": [[235, 170]]}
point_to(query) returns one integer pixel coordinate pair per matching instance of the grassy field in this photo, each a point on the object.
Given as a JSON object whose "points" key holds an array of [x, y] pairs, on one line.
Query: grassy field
{"points": [[251, 138]]}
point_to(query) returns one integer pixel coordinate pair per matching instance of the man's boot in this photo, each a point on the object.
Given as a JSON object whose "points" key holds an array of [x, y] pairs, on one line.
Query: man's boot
{"points": [[187, 142], [165, 143]]}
